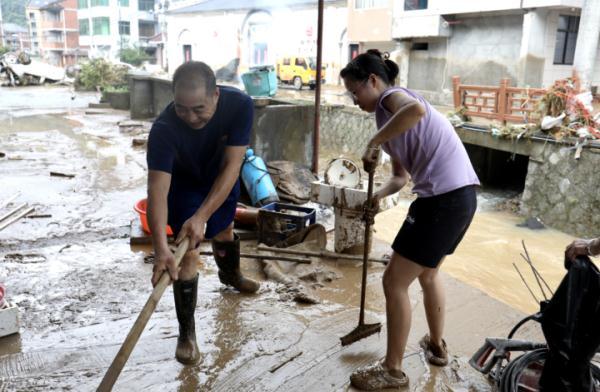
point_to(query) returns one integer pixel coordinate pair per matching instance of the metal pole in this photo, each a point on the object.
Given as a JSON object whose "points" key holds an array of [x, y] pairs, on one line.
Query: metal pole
{"points": [[315, 160]]}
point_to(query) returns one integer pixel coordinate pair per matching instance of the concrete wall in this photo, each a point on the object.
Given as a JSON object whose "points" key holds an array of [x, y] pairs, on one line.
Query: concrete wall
{"points": [[481, 50], [370, 24]]}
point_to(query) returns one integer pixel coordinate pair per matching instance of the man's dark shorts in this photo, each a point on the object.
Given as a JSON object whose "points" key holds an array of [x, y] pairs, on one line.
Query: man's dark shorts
{"points": [[435, 226], [183, 206]]}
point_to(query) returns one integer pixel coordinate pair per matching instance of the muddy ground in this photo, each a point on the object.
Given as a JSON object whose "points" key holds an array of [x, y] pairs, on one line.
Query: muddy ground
{"points": [[79, 284]]}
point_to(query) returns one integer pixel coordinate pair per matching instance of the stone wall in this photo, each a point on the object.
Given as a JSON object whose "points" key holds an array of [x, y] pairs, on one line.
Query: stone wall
{"points": [[345, 130], [564, 192]]}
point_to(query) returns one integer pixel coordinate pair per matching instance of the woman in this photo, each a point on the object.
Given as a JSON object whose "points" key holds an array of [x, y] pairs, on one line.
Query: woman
{"points": [[423, 146]]}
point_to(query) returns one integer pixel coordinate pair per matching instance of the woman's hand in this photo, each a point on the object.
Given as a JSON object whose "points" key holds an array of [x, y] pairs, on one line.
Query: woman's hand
{"points": [[370, 157]]}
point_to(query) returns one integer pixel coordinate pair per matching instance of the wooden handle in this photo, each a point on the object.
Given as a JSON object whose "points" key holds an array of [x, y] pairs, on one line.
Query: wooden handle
{"points": [[138, 327], [366, 246]]}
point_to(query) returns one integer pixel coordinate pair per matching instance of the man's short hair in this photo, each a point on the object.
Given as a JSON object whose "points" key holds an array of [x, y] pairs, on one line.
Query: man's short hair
{"points": [[193, 75]]}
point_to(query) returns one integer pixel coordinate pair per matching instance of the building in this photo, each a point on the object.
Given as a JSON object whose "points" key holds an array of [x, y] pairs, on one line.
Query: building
{"points": [[54, 30], [531, 42], [15, 37], [107, 26], [257, 32], [1, 28]]}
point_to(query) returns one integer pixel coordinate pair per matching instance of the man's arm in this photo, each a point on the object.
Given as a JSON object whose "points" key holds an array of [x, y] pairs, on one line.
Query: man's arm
{"points": [[158, 190], [230, 171]]}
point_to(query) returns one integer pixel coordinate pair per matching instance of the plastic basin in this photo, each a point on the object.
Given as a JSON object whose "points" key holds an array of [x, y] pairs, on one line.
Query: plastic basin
{"points": [[140, 207]]}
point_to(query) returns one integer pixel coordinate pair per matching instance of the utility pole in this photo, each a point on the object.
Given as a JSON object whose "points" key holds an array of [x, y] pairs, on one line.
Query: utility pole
{"points": [[1, 26], [587, 42]]}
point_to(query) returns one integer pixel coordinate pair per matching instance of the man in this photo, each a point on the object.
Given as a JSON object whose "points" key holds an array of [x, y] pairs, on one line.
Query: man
{"points": [[583, 247], [195, 151]]}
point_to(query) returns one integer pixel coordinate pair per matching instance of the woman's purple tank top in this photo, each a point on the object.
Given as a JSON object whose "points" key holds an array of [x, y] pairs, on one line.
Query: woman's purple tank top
{"points": [[431, 151]]}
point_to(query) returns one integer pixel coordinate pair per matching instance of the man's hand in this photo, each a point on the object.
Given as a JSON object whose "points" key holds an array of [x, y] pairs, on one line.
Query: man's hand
{"points": [[193, 228], [370, 157], [578, 247], [371, 209], [164, 261]]}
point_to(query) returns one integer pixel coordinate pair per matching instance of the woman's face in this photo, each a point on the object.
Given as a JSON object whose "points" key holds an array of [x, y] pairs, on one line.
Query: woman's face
{"points": [[363, 93]]}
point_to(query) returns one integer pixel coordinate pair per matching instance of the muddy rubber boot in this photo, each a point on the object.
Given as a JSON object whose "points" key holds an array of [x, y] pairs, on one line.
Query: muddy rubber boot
{"points": [[185, 293], [227, 256]]}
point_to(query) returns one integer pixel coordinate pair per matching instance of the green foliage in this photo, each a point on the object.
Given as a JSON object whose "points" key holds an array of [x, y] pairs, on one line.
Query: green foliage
{"points": [[99, 73], [117, 89], [13, 11], [133, 56], [4, 49]]}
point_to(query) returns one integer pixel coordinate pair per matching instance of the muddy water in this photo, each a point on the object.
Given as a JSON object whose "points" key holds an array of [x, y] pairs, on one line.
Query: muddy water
{"points": [[79, 285], [486, 255]]}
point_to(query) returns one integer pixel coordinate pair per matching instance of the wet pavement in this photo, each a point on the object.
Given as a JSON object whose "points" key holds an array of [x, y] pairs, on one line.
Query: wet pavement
{"points": [[79, 284]]}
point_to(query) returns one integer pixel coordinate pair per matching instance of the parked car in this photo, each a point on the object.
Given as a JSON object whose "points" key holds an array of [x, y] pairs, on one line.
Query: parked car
{"points": [[298, 71]]}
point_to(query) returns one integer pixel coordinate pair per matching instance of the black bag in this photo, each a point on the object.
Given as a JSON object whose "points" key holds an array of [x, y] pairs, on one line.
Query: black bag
{"points": [[571, 325]]}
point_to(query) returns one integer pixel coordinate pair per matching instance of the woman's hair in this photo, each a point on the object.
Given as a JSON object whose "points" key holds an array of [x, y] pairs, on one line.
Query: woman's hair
{"points": [[371, 62]]}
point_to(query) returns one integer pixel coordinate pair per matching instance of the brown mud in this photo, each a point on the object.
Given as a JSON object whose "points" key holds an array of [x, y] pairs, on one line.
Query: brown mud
{"points": [[79, 284]]}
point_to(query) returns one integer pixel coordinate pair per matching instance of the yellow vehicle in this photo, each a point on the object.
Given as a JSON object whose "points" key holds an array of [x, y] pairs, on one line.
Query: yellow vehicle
{"points": [[298, 71]]}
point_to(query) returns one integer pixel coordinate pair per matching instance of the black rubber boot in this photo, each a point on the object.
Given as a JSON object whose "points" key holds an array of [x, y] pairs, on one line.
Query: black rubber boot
{"points": [[227, 257], [185, 293]]}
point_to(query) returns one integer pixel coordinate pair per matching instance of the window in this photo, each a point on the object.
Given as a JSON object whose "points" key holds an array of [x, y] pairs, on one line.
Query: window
{"points": [[84, 27], [82, 4], [286, 61], [359, 4], [146, 29], [54, 36], [566, 38], [411, 5], [300, 62], [124, 28], [420, 46], [101, 25], [98, 3], [124, 3], [146, 5]]}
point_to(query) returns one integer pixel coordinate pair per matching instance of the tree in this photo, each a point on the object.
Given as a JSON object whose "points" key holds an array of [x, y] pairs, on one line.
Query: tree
{"points": [[13, 11], [133, 56]]}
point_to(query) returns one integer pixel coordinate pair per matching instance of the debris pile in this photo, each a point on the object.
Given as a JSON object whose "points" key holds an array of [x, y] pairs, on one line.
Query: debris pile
{"points": [[567, 111]]}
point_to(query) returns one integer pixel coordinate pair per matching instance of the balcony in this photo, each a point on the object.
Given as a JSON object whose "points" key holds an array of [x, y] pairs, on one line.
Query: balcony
{"points": [[420, 26], [52, 25], [53, 45]]}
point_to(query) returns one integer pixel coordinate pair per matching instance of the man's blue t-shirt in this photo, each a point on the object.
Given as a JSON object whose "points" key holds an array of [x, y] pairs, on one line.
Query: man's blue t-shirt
{"points": [[193, 157]]}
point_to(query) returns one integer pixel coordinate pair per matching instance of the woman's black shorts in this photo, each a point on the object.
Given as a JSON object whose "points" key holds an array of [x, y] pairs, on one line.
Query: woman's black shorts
{"points": [[435, 226]]}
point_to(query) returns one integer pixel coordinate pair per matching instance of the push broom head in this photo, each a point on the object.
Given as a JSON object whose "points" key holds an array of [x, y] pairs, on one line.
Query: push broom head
{"points": [[360, 332]]}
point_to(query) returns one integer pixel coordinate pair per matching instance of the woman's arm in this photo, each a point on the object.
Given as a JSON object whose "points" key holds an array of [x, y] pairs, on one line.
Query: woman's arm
{"points": [[407, 113], [398, 180]]}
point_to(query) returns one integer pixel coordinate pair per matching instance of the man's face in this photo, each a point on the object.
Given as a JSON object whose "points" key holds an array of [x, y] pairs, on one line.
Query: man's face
{"points": [[194, 106]]}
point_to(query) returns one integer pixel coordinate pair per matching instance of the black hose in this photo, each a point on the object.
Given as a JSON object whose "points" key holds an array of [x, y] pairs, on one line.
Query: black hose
{"points": [[511, 374]]}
